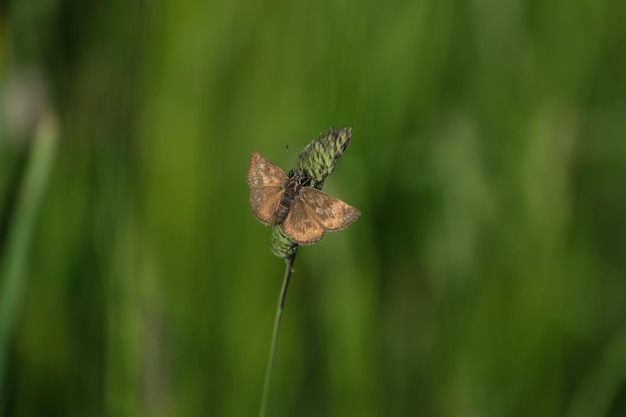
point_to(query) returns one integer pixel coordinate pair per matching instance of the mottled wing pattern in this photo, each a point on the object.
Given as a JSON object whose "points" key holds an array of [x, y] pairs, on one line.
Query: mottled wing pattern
{"points": [[331, 213], [263, 173], [301, 224], [266, 182]]}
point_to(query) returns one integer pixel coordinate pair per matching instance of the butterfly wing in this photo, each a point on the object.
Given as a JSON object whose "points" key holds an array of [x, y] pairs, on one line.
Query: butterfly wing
{"points": [[330, 212], [266, 182], [263, 173], [301, 224], [264, 202]]}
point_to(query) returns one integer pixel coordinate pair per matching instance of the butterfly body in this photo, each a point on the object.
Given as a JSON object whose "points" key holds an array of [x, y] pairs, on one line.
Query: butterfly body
{"points": [[304, 213], [291, 189]]}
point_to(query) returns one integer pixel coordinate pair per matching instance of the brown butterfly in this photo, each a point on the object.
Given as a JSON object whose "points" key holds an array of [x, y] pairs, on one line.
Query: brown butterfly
{"points": [[304, 213]]}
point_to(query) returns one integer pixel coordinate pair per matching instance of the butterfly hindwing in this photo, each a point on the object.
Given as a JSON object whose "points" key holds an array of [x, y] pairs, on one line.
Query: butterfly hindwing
{"points": [[301, 224], [264, 202]]}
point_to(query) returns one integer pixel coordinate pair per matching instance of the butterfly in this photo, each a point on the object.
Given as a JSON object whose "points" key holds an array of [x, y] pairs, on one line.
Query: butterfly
{"points": [[304, 213]]}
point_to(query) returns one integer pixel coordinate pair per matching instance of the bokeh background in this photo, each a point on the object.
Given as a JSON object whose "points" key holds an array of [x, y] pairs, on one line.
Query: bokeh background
{"points": [[486, 275]]}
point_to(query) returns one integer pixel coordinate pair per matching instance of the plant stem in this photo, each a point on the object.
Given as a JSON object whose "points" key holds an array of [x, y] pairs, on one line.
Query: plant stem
{"points": [[279, 314]]}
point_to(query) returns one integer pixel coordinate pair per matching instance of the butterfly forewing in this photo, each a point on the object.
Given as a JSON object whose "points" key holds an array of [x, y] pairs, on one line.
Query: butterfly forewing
{"points": [[263, 173], [266, 182], [330, 212]]}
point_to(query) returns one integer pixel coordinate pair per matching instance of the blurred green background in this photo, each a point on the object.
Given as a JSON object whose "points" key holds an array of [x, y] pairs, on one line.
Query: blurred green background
{"points": [[486, 275]]}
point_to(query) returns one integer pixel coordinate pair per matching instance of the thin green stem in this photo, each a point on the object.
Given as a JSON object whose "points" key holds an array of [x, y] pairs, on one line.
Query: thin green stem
{"points": [[279, 314]]}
